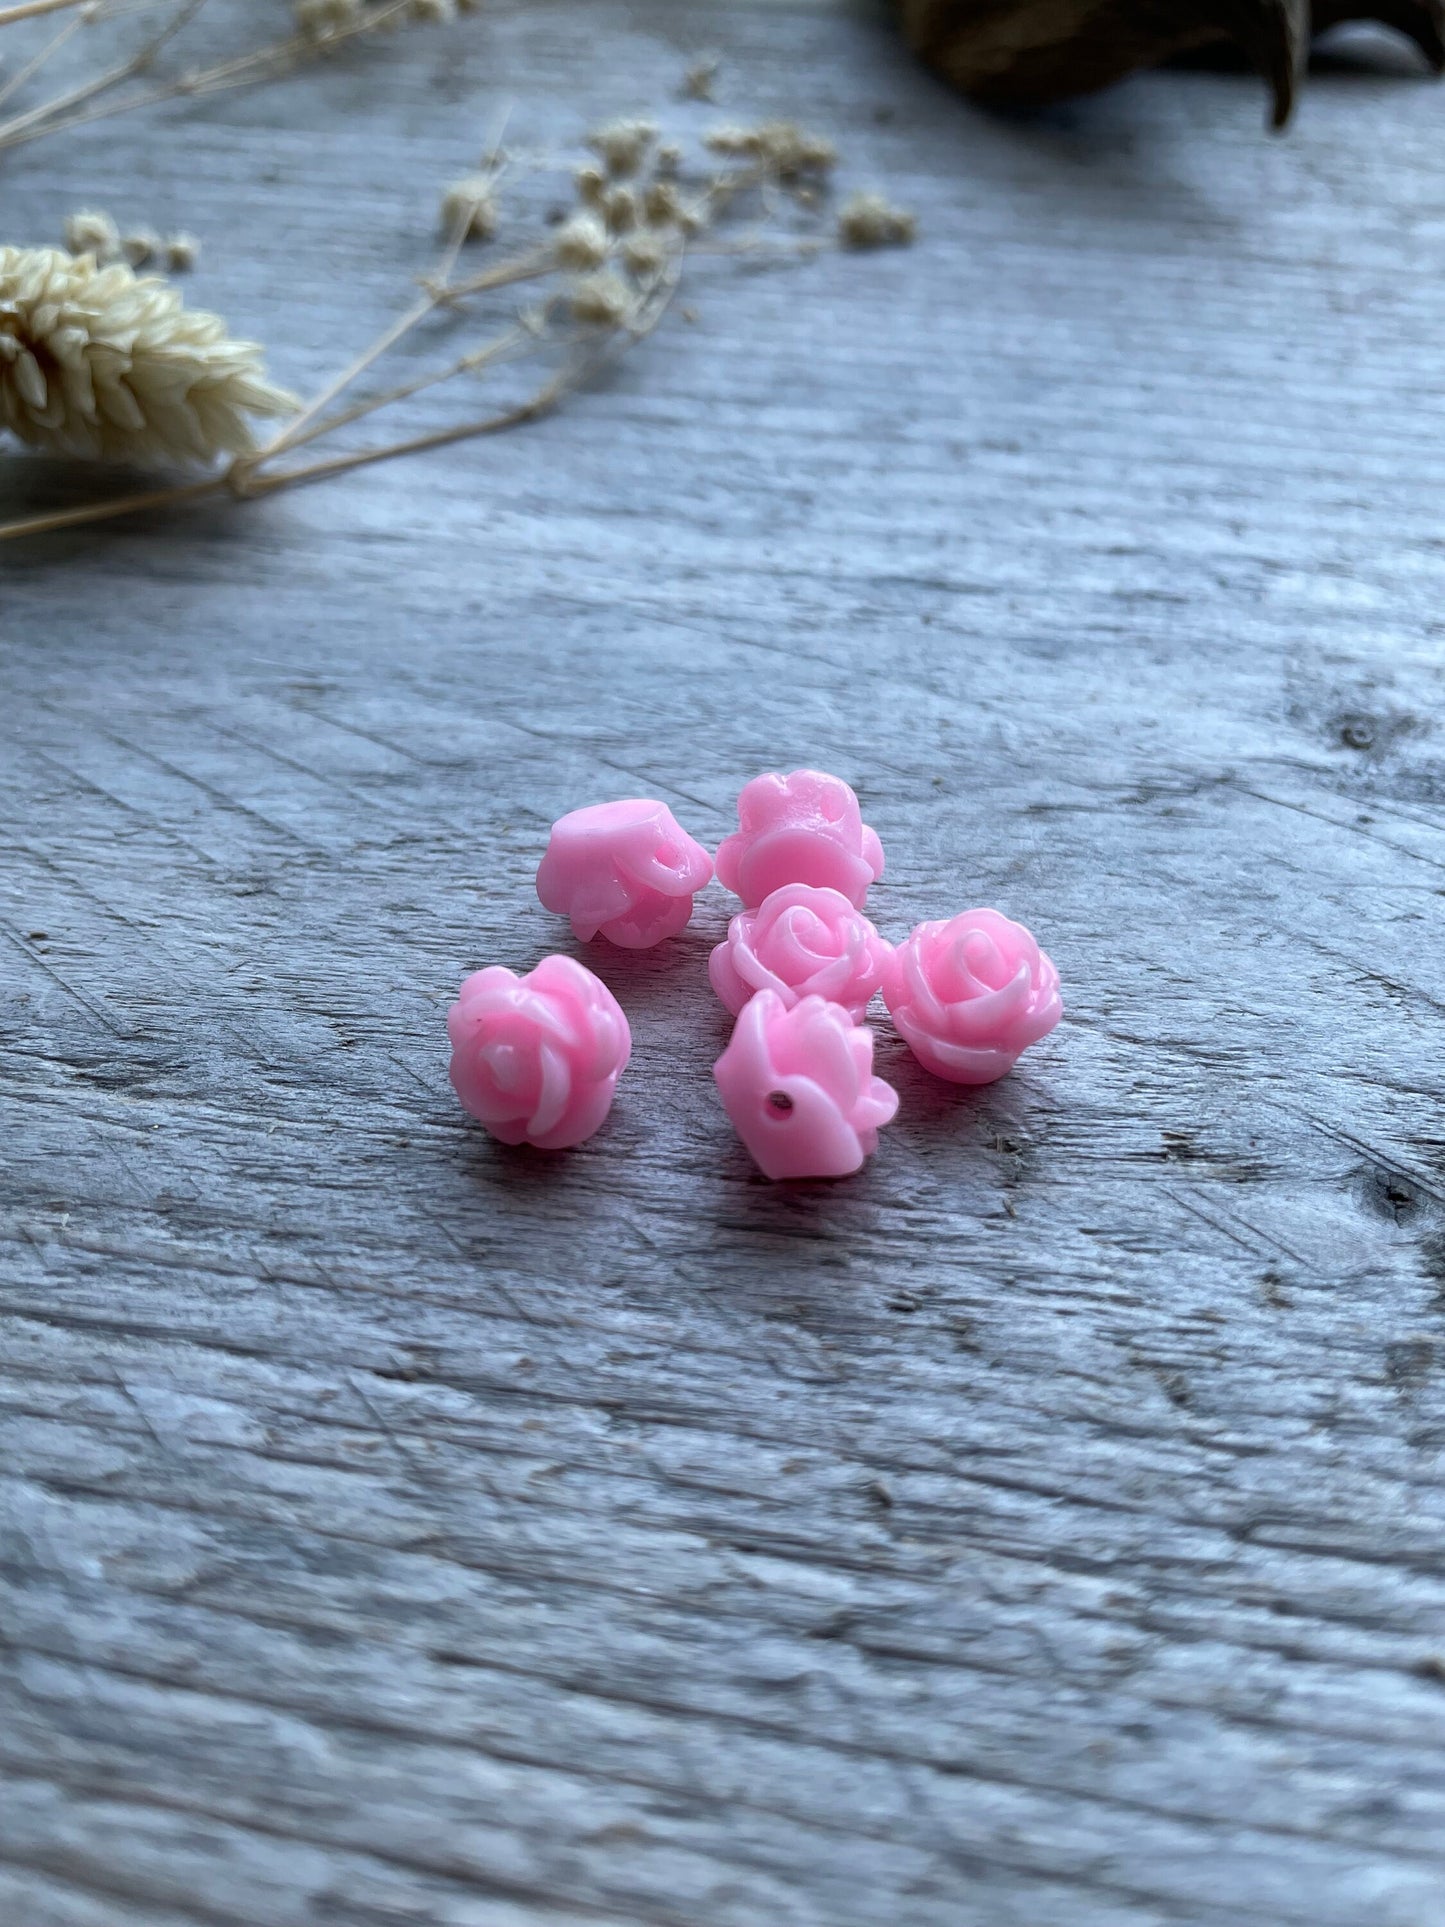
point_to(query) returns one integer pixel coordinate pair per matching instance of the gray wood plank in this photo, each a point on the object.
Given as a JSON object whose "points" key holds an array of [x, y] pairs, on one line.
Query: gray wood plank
{"points": [[1045, 1526]]}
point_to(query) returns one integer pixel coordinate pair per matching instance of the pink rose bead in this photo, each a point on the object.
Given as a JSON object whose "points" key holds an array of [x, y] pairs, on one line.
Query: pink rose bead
{"points": [[801, 942], [799, 1087], [803, 828], [537, 1058], [967, 996], [627, 870]]}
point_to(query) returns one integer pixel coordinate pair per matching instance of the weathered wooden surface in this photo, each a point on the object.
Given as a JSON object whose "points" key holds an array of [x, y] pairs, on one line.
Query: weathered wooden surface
{"points": [[1045, 1527]]}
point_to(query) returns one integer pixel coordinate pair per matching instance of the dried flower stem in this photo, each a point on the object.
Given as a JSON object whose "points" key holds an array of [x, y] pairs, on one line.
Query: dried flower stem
{"points": [[276, 57], [33, 66], [246, 482], [32, 10], [108, 511], [513, 342], [439, 294], [39, 119]]}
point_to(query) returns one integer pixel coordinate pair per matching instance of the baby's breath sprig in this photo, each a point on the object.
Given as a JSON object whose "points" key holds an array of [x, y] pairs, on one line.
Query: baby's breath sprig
{"points": [[603, 278], [872, 221]]}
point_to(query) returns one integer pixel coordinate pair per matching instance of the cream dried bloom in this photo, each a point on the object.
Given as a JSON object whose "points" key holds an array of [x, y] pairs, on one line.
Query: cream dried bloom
{"points": [[603, 300], [88, 231], [591, 185], [871, 221], [697, 82], [662, 203], [140, 245], [322, 19], [105, 364], [469, 207], [620, 210], [581, 242], [622, 144], [780, 146], [182, 252], [645, 252]]}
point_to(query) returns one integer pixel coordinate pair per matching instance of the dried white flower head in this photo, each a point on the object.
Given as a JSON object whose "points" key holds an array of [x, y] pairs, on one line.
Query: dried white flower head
{"points": [[591, 185], [182, 253], [88, 231], [581, 242], [603, 300], [105, 364], [667, 163], [645, 252], [623, 144], [662, 204], [731, 140], [142, 244], [870, 221], [620, 210], [432, 13], [697, 81], [469, 208], [780, 146], [323, 19]]}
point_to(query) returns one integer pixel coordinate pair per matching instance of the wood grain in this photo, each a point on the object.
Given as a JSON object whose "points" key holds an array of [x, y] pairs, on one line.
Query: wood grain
{"points": [[1045, 1527]]}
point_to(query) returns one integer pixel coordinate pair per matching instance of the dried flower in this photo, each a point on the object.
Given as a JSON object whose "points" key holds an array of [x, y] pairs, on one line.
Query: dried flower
{"points": [[620, 210], [431, 13], [469, 208], [780, 146], [182, 253], [581, 242], [645, 252], [667, 162], [102, 363], [591, 185], [324, 19], [732, 140], [870, 221], [623, 144], [88, 231], [604, 300], [697, 81], [140, 245], [662, 204]]}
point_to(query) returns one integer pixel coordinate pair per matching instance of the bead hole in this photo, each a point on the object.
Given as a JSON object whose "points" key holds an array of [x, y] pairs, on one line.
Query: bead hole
{"points": [[779, 1103]]}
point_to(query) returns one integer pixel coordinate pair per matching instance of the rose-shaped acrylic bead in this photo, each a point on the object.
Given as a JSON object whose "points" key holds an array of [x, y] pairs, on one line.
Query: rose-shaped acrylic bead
{"points": [[803, 828], [968, 995], [800, 942], [626, 870], [799, 1087], [537, 1058]]}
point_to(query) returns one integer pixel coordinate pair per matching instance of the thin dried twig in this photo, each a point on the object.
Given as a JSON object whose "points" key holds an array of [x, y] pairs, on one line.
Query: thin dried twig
{"points": [[48, 50], [26, 126], [108, 511], [32, 10], [515, 342], [264, 62]]}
